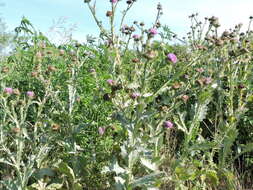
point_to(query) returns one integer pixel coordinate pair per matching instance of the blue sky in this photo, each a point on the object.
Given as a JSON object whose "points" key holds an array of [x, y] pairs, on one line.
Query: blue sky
{"points": [[42, 13]]}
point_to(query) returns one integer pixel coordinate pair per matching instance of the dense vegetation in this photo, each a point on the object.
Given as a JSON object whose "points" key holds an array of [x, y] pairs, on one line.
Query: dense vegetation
{"points": [[129, 110]]}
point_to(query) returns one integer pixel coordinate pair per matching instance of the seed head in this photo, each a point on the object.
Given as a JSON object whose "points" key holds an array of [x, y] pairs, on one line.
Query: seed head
{"points": [[109, 13], [135, 60]]}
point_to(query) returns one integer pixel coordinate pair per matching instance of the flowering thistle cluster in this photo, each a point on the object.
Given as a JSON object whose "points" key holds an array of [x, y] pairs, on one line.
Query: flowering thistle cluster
{"points": [[127, 29], [10, 91]]}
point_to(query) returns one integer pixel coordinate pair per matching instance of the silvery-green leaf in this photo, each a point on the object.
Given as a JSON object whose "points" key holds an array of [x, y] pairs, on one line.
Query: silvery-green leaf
{"points": [[119, 183], [123, 151], [77, 186], [114, 167], [54, 186], [44, 172], [133, 86], [147, 95], [147, 180], [133, 157], [147, 163], [152, 188], [65, 169]]}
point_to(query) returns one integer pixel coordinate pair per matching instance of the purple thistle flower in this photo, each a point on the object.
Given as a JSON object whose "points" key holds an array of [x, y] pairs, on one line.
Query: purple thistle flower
{"points": [[208, 80], [111, 82], [168, 124], [136, 36], [101, 130], [30, 94], [135, 95], [153, 31], [8, 90], [114, 1], [172, 57]]}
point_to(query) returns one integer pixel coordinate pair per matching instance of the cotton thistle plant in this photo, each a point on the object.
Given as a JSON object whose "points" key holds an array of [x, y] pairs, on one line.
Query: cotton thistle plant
{"points": [[20, 151]]}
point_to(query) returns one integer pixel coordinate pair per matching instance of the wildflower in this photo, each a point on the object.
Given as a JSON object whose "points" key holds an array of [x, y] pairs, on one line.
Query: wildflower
{"points": [[30, 94], [153, 31], [8, 90], [111, 82], [136, 37], [135, 95], [168, 124], [114, 1], [101, 130], [172, 57]]}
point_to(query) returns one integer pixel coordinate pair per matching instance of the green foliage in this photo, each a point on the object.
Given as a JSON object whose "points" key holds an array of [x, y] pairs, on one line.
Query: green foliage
{"points": [[121, 113]]}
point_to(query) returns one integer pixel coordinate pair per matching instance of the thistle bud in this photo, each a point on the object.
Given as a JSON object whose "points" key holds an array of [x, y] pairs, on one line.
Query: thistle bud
{"points": [[109, 13]]}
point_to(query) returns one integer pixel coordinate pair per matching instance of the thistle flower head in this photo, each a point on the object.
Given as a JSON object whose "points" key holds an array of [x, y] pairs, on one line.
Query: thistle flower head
{"points": [[113, 1], [135, 95], [136, 36], [8, 90], [111, 82], [153, 31], [30, 94], [168, 124], [172, 57]]}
